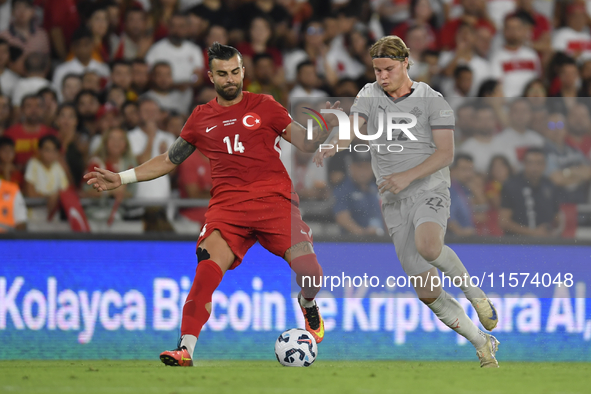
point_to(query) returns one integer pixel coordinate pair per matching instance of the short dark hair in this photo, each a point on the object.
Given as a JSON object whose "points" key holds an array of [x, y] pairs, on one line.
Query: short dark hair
{"points": [[85, 92], [160, 63], [71, 75], [532, 151], [29, 97], [487, 87], [462, 156], [135, 8], [36, 62], [48, 90], [304, 64], [119, 62], [127, 104], [50, 138], [461, 69], [138, 60], [81, 33], [6, 141], [261, 56], [222, 52]]}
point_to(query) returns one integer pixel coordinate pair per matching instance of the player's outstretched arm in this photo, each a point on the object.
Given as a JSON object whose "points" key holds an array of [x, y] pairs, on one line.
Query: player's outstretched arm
{"points": [[297, 134], [334, 144], [103, 180]]}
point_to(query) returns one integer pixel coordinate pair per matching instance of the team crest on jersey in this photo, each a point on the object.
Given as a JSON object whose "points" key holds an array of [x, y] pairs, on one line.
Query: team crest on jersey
{"points": [[416, 112], [251, 121]]}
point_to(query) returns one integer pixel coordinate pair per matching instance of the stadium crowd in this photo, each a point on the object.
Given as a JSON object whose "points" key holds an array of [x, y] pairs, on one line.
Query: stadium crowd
{"points": [[111, 83]]}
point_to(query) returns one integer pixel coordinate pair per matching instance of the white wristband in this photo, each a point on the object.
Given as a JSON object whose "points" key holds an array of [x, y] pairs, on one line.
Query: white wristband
{"points": [[128, 176]]}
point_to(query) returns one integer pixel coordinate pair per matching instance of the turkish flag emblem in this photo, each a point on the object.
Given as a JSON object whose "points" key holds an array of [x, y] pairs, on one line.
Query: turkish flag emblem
{"points": [[251, 121]]}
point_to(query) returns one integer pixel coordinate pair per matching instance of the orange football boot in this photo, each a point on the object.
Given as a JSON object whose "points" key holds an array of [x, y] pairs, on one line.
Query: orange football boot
{"points": [[177, 358], [314, 322]]}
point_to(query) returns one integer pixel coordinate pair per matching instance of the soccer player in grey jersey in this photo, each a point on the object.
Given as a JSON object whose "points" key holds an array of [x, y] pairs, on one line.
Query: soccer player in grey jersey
{"points": [[411, 169]]}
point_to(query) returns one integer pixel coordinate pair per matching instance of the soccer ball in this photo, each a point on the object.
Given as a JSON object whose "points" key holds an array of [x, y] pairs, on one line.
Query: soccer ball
{"points": [[296, 348]]}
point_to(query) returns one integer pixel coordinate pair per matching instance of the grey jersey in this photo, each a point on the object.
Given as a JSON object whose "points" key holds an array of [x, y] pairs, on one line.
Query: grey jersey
{"points": [[431, 111]]}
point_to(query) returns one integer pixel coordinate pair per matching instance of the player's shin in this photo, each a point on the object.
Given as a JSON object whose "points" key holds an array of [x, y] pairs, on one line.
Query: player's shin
{"points": [[308, 277], [198, 304], [450, 264], [451, 313]]}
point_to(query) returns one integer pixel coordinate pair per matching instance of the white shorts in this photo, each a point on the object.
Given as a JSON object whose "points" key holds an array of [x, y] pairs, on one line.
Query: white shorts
{"points": [[404, 216]]}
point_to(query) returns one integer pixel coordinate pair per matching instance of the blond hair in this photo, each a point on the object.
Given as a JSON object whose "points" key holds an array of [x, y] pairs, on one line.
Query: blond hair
{"points": [[391, 47]]}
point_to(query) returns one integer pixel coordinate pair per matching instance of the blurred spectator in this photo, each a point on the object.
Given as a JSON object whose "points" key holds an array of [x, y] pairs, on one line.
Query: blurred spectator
{"points": [[164, 94], [393, 13], [91, 80], [517, 138], [107, 118], [416, 38], [74, 144], [82, 47], [499, 172], [121, 76], [215, 33], [146, 142], [5, 113], [194, 181], [175, 123], [461, 87], [13, 211], [161, 14], [474, 13], [116, 96], [36, 69], [24, 32], [484, 39], [134, 41], [421, 14], [307, 83], [310, 181], [140, 76], [259, 43], [209, 13], [465, 122], [269, 9], [27, 134], [185, 58], [49, 104], [71, 86], [566, 166], [131, 116], [483, 145], [262, 78], [344, 57], [8, 78], [45, 177], [8, 170], [61, 20], [357, 208], [113, 154], [515, 64], [540, 27], [529, 200], [102, 41], [579, 128], [87, 105], [468, 202], [465, 54], [536, 92], [569, 82], [574, 38]]}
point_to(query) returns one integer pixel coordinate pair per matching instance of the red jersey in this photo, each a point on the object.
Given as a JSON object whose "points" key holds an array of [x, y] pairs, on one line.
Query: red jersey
{"points": [[25, 144], [242, 144]]}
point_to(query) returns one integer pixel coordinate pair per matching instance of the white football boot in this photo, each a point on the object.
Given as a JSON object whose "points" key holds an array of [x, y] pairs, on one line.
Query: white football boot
{"points": [[487, 314], [486, 354]]}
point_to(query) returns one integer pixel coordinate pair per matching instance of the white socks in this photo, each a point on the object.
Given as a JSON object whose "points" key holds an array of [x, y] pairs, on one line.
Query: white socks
{"points": [[450, 264], [304, 303], [189, 341], [451, 313]]}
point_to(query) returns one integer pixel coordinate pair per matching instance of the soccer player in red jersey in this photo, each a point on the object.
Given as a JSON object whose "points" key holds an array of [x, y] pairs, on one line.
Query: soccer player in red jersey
{"points": [[252, 194]]}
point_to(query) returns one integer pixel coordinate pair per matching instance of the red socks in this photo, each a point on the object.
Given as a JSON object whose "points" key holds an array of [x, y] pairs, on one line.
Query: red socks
{"points": [[207, 278], [307, 265]]}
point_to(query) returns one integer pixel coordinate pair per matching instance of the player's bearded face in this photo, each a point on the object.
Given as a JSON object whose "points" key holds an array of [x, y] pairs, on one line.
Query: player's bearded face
{"points": [[229, 90], [227, 78]]}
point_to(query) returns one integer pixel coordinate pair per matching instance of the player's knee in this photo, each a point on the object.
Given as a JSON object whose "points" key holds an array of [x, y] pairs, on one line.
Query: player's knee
{"points": [[429, 248]]}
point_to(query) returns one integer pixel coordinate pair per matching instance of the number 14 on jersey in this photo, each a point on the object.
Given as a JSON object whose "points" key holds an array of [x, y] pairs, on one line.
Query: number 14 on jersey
{"points": [[238, 147]]}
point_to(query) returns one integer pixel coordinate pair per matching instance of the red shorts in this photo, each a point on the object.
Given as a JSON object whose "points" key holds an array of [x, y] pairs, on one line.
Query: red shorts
{"points": [[273, 221]]}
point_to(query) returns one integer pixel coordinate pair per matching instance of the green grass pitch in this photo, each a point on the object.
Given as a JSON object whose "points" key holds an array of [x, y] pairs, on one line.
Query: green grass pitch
{"points": [[260, 377]]}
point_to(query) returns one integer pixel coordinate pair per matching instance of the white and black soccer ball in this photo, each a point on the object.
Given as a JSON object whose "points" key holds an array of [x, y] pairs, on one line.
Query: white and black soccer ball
{"points": [[296, 348]]}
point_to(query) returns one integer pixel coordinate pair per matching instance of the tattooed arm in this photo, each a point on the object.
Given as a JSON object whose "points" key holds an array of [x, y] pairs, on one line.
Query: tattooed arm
{"points": [[103, 180], [298, 134]]}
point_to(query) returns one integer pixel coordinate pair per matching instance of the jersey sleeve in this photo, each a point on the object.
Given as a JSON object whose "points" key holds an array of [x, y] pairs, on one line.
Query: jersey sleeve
{"points": [[441, 116], [362, 104], [190, 132], [280, 118]]}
